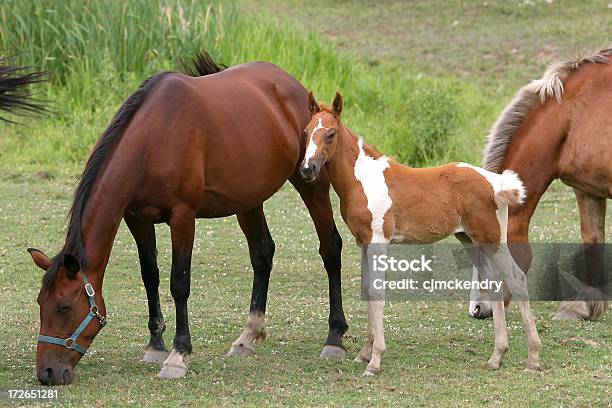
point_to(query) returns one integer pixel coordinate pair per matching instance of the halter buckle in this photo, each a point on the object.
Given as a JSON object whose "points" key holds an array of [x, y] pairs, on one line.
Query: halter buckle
{"points": [[69, 343], [89, 290], [94, 310]]}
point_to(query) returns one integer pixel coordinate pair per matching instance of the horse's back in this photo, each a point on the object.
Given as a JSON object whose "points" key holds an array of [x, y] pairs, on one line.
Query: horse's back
{"points": [[224, 142]]}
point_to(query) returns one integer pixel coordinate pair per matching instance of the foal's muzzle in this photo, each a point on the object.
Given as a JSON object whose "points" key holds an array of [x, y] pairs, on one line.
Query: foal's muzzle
{"points": [[310, 170]]}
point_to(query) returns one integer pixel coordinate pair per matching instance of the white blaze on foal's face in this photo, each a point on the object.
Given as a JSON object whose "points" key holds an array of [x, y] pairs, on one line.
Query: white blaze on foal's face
{"points": [[311, 148]]}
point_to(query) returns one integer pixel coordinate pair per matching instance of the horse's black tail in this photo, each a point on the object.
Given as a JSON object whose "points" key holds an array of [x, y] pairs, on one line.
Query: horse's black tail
{"points": [[202, 65], [15, 95]]}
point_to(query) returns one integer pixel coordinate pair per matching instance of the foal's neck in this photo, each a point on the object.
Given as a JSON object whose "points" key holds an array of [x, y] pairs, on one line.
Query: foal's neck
{"points": [[341, 167]]}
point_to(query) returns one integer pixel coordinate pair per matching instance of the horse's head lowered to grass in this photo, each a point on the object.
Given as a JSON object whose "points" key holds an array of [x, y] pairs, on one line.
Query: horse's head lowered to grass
{"points": [[70, 317]]}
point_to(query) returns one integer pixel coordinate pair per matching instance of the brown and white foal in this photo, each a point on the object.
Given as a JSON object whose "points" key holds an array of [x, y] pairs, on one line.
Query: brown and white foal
{"points": [[386, 202]]}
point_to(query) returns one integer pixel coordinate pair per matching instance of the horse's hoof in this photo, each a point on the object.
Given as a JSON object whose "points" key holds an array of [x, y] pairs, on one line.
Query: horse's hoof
{"points": [[370, 372], [333, 352], [240, 351], [493, 364], [155, 356], [172, 371], [566, 315], [572, 310]]}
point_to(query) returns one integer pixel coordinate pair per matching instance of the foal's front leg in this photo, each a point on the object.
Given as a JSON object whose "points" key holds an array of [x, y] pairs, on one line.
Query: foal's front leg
{"points": [[374, 346], [182, 227]]}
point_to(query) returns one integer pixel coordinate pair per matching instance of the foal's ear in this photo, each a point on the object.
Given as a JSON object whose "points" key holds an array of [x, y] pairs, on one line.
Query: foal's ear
{"points": [[40, 259], [71, 265], [337, 105], [313, 106]]}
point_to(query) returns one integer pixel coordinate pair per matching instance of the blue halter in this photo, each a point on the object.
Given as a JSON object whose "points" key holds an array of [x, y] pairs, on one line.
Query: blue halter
{"points": [[71, 342]]}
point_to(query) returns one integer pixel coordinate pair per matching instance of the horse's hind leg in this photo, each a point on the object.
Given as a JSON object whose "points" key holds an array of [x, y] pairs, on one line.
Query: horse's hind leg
{"points": [[144, 235], [316, 198], [592, 225], [261, 250], [182, 229]]}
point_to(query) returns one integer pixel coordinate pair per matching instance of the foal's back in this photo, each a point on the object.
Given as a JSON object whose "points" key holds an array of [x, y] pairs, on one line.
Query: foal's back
{"points": [[432, 203]]}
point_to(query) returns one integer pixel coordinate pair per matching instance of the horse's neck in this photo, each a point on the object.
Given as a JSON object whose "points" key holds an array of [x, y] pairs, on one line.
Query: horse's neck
{"points": [[102, 217], [533, 154]]}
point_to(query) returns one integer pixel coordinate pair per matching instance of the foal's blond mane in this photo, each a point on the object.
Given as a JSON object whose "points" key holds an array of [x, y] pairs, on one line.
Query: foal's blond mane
{"points": [[512, 118]]}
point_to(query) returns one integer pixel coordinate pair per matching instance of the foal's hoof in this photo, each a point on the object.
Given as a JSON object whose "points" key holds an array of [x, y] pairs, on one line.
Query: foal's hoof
{"points": [[240, 350], [370, 372], [333, 352], [172, 371], [155, 356], [532, 366], [361, 359], [493, 364]]}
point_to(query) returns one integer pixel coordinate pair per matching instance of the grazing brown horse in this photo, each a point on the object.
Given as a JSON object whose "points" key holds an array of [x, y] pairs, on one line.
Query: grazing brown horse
{"points": [[182, 148], [15, 94], [560, 127], [384, 202]]}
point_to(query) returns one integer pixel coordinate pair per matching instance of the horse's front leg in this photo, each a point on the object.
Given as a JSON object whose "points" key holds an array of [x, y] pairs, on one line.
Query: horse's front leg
{"points": [[182, 227], [316, 198], [261, 250], [590, 305], [144, 235]]}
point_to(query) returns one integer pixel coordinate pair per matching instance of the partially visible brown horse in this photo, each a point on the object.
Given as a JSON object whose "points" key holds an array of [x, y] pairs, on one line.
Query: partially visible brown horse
{"points": [[182, 148], [560, 127], [15, 93]]}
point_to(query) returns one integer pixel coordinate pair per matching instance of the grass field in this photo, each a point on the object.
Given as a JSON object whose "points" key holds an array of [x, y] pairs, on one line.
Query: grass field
{"points": [[436, 355]]}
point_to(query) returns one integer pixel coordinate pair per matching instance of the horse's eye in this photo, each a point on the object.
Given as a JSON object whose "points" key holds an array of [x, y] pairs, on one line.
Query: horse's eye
{"points": [[63, 308]]}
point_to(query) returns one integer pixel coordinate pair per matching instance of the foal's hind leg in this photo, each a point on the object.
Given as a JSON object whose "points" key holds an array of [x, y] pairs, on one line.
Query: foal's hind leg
{"points": [[182, 229], [261, 251], [144, 235], [316, 198], [592, 226]]}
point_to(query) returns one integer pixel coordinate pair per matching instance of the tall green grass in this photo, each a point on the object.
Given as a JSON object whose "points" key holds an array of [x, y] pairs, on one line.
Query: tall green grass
{"points": [[98, 53]]}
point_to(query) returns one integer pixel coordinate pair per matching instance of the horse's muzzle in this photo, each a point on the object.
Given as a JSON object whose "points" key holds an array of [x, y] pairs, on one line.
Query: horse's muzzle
{"points": [[55, 375]]}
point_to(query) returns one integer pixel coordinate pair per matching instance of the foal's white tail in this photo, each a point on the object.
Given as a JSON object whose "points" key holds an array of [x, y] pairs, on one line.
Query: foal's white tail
{"points": [[511, 190]]}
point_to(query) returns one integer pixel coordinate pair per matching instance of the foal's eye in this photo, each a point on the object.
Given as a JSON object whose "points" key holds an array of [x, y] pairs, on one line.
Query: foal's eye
{"points": [[63, 308], [330, 135]]}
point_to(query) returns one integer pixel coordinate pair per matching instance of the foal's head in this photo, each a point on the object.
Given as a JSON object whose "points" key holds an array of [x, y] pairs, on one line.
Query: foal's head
{"points": [[321, 132], [66, 312]]}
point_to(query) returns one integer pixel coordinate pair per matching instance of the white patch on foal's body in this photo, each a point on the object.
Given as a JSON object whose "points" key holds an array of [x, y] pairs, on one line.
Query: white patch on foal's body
{"points": [[371, 174], [312, 146]]}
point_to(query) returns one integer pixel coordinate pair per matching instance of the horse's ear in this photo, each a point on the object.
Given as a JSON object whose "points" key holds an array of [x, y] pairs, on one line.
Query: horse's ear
{"points": [[71, 265], [313, 106], [40, 259], [337, 105]]}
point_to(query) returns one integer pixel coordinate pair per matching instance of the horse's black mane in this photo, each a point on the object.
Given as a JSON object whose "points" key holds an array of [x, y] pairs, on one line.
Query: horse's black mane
{"points": [[15, 96], [202, 65]]}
